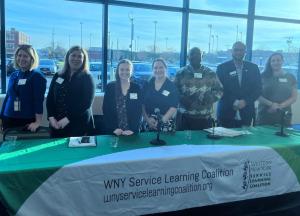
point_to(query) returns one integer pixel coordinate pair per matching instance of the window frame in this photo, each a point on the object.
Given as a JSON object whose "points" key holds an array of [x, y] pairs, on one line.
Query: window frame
{"points": [[185, 11]]}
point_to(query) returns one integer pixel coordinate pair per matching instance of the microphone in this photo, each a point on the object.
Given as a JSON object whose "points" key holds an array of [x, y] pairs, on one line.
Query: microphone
{"points": [[159, 118], [284, 114], [213, 125], [157, 112], [213, 135], [158, 141]]}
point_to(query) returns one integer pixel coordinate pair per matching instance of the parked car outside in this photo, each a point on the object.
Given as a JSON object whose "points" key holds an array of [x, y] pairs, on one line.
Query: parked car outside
{"points": [[96, 71], [212, 66], [142, 72], [10, 67], [47, 66], [172, 70], [293, 69]]}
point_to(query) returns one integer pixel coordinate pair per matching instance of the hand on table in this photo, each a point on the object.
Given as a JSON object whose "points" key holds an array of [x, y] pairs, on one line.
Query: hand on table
{"points": [[274, 107], [63, 122], [127, 132], [118, 131], [152, 123], [33, 126], [53, 122], [242, 104]]}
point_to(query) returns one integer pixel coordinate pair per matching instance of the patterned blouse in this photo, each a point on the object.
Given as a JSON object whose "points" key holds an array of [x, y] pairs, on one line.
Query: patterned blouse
{"points": [[61, 102], [122, 112]]}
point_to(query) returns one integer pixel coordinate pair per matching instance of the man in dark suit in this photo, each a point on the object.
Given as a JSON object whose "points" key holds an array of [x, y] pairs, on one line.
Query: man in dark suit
{"points": [[242, 86]]}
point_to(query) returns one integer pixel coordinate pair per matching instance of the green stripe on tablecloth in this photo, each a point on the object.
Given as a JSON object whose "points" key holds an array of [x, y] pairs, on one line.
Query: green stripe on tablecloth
{"points": [[52, 153], [20, 166]]}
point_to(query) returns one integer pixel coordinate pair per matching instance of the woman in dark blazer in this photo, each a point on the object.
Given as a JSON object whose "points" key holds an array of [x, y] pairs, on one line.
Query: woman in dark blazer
{"points": [[122, 104], [70, 97]]}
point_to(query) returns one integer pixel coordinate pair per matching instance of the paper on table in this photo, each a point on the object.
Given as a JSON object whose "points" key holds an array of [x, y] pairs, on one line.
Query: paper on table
{"points": [[77, 142], [221, 131]]}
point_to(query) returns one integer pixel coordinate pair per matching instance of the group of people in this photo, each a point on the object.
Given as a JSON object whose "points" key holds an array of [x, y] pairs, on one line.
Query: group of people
{"points": [[69, 99], [185, 104], [125, 102]]}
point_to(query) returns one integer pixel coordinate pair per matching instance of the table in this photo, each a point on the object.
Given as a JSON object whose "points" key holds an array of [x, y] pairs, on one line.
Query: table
{"points": [[46, 177]]}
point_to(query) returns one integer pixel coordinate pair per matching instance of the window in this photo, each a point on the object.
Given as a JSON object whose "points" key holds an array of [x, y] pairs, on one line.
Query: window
{"points": [[143, 35], [52, 27], [278, 8], [176, 3], [1, 59], [10, 35], [232, 6], [215, 36], [10, 46], [280, 37]]}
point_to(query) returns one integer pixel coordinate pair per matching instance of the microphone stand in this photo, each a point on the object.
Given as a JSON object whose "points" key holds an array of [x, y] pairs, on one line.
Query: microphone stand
{"points": [[282, 118], [213, 135], [158, 141]]}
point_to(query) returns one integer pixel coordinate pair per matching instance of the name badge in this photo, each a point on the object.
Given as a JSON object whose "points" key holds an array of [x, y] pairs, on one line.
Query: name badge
{"points": [[198, 75], [59, 80], [283, 80], [22, 82], [17, 105], [233, 73], [166, 93], [133, 96]]}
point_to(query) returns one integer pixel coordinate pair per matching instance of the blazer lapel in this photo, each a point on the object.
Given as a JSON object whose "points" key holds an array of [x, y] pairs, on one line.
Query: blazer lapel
{"points": [[244, 75]]}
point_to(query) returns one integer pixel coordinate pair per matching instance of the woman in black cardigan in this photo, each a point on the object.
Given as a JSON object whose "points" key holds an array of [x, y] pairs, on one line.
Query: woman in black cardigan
{"points": [[70, 97], [122, 104]]}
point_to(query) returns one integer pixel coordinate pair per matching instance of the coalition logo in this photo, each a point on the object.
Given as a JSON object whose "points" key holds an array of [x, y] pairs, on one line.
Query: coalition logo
{"points": [[256, 174], [246, 169]]}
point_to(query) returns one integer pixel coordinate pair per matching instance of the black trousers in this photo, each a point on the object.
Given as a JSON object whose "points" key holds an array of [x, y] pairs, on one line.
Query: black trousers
{"points": [[70, 130], [3, 210], [232, 123], [190, 122], [8, 122]]}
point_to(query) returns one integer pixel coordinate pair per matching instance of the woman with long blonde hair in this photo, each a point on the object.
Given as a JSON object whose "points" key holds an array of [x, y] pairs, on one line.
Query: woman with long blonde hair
{"points": [[23, 104]]}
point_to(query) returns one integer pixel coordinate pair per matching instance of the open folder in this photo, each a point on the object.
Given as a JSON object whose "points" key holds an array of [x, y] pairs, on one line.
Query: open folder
{"points": [[226, 132], [84, 141]]}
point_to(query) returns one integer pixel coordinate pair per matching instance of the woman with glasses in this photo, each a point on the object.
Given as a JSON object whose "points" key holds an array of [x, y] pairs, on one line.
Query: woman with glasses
{"points": [[23, 104], [70, 97]]}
